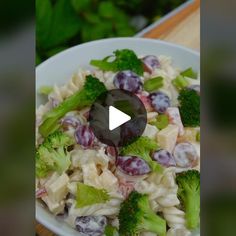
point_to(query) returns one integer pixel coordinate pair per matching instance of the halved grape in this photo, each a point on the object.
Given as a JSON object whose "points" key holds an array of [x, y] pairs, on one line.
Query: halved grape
{"points": [[159, 101], [84, 136], [164, 157], [91, 225], [150, 63], [111, 151], [185, 155], [132, 165], [128, 80]]}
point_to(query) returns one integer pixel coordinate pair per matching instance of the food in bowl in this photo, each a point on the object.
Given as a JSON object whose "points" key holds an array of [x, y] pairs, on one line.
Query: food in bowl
{"points": [[148, 187]]}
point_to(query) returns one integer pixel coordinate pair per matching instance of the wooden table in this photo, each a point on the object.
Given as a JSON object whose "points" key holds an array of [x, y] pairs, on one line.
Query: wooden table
{"points": [[181, 26]]}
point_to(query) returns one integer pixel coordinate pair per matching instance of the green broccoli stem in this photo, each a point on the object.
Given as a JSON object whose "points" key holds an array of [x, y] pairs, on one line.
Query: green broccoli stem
{"points": [[154, 223], [73, 102], [83, 98], [151, 221], [103, 65], [192, 210]]}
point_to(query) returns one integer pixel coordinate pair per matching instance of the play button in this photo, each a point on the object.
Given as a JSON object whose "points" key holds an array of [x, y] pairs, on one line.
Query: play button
{"points": [[117, 117]]}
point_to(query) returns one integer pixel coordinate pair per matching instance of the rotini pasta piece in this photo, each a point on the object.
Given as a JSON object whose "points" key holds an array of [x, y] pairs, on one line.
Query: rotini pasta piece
{"points": [[74, 84], [80, 157], [178, 232], [106, 78], [110, 209]]}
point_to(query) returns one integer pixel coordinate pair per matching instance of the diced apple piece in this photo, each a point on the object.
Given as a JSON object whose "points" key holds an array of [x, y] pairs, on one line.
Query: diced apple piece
{"points": [[54, 207], [150, 131], [175, 119], [58, 189], [167, 137]]}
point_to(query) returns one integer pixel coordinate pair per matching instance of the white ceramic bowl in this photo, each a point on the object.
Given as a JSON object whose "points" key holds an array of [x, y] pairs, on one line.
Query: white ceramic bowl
{"points": [[59, 68]]}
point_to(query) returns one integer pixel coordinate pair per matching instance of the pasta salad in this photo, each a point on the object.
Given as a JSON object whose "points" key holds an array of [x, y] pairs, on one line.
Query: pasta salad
{"points": [[148, 187]]}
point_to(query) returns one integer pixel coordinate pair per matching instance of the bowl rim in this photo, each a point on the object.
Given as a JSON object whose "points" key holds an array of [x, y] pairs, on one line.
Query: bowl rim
{"points": [[92, 43], [61, 54]]}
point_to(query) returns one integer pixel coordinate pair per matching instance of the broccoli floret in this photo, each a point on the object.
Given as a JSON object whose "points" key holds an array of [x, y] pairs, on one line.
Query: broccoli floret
{"points": [[52, 155], [136, 216], [189, 195], [92, 89], [189, 107], [125, 59], [142, 147]]}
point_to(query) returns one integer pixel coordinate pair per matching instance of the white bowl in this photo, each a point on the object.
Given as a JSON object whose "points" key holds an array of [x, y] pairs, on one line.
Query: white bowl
{"points": [[59, 68]]}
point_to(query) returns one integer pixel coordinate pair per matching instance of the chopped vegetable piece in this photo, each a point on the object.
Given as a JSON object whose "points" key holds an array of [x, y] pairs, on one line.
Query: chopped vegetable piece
{"points": [[88, 195], [153, 84], [142, 147], [161, 121], [189, 135], [52, 155], [198, 136], [189, 107], [111, 231], [189, 73], [83, 98], [167, 137], [136, 216], [45, 90], [180, 82], [189, 195], [125, 59]]}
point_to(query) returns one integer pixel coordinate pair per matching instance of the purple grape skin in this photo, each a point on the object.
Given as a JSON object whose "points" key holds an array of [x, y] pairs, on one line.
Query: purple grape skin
{"points": [[91, 225], [164, 158], [128, 80], [185, 155], [151, 62], [84, 136], [132, 165], [159, 101]]}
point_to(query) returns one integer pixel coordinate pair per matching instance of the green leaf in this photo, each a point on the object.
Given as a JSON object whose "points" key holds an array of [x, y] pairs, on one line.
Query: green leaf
{"points": [[107, 9], [43, 21], [54, 51], [88, 195], [37, 59], [65, 24], [81, 5]]}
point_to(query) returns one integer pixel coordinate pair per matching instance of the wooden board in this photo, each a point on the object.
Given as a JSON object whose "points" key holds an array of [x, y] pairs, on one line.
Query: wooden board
{"points": [[181, 28]]}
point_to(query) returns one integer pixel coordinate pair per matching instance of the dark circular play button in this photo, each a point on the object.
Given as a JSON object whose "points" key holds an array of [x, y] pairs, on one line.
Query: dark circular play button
{"points": [[117, 107]]}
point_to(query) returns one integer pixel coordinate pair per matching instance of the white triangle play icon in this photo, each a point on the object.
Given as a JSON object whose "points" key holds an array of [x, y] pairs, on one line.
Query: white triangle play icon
{"points": [[117, 118]]}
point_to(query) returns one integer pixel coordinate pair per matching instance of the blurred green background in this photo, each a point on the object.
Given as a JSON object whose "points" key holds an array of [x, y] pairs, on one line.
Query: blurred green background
{"points": [[63, 23]]}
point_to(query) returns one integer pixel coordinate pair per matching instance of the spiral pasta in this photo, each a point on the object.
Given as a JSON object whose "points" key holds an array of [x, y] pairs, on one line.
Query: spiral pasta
{"points": [[76, 82], [110, 208]]}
